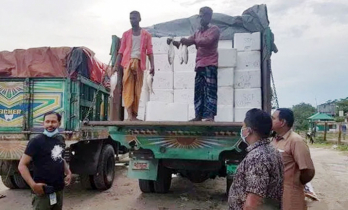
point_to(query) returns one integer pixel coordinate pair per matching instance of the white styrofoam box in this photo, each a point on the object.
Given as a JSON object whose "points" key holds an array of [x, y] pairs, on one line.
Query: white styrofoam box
{"points": [[225, 44], [248, 98], [162, 63], [163, 95], [163, 80], [239, 113], [225, 96], [184, 80], [247, 79], [247, 41], [192, 113], [184, 96], [141, 113], [224, 113], [227, 57], [225, 77], [249, 60], [160, 111], [160, 45]]}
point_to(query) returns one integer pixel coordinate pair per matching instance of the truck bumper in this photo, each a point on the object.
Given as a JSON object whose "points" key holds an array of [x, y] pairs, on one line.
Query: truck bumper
{"points": [[143, 169]]}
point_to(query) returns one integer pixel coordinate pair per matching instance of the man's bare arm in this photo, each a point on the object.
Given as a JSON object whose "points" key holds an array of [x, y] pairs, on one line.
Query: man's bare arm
{"points": [[152, 63], [118, 62], [24, 170], [68, 174]]}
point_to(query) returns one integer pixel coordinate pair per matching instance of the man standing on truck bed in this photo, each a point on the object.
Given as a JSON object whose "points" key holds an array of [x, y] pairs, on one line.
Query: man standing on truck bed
{"points": [[206, 40], [136, 43], [298, 165], [46, 153], [258, 182]]}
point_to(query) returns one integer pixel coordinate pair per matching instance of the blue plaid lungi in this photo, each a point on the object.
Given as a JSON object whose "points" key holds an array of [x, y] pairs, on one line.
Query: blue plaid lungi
{"points": [[206, 92]]}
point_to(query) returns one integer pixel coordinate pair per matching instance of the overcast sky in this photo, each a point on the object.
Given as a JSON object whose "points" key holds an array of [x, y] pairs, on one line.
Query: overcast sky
{"points": [[311, 35]]}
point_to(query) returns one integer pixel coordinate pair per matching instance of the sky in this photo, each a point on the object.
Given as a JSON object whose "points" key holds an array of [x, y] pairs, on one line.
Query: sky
{"points": [[311, 35]]}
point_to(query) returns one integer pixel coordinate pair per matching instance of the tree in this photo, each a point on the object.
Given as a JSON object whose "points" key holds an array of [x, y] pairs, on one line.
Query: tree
{"points": [[342, 105], [301, 112]]}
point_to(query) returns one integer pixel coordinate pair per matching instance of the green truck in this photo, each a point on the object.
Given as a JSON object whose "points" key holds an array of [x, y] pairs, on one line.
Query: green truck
{"points": [[195, 150], [24, 101]]}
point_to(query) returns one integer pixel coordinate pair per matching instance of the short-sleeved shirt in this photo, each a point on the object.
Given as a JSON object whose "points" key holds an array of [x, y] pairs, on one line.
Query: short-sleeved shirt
{"points": [[260, 173], [206, 42], [296, 157], [47, 157], [126, 47]]}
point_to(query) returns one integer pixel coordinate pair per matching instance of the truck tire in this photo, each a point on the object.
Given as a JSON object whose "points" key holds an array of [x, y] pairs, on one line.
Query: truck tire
{"points": [[146, 186], [105, 175], [229, 181], [164, 179], [8, 181], [20, 182]]}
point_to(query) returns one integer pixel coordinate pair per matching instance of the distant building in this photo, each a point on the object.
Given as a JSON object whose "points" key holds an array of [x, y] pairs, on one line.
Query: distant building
{"points": [[328, 108]]}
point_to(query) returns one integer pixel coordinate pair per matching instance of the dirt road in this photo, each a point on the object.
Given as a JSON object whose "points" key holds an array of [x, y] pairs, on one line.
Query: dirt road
{"points": [[330, 183]]}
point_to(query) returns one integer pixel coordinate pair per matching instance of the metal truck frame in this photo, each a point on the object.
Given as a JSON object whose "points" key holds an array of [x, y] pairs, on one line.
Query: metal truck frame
{"points": [[90, 153], [195, 150]]}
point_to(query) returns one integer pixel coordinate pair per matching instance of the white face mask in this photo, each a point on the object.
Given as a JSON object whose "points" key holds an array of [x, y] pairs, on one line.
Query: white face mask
{"points": [[50, 134], [244, 137]]}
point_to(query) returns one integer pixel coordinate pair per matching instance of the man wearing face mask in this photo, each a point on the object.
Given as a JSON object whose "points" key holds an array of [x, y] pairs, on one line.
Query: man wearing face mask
{"points": [[298, 165], [258, 182], [45, 151]]}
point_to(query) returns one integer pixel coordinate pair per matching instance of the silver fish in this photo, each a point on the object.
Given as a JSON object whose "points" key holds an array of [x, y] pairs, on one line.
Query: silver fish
{"points": [[149, 82], [113, 83], [171, 53]]}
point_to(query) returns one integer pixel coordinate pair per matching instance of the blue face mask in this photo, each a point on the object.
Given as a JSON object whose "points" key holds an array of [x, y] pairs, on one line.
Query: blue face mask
{"points": [[50, 134]]}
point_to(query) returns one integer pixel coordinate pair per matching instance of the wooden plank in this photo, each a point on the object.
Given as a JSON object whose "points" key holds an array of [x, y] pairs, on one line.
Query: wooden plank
{"points": [[162, 123]]}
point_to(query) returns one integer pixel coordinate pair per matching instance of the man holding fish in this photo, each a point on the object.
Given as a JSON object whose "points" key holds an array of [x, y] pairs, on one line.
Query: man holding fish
{"points": [[136, 43], [206, 40]]}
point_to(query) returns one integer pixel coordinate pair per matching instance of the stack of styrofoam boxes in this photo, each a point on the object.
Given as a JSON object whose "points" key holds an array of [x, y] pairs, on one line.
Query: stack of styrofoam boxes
{"points": [[184, 79], [162, 106], [247, 77], [227, 64]]}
